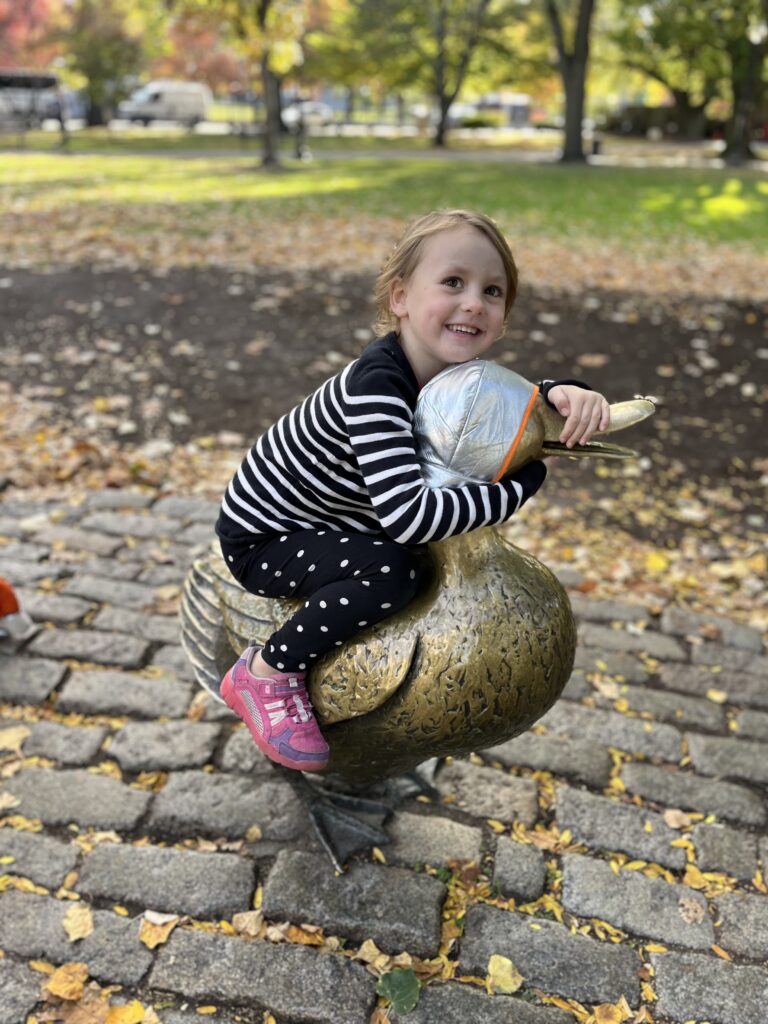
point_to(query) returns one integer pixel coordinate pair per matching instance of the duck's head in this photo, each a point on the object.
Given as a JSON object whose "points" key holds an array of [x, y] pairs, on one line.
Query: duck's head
{"points": [[477, 422]]}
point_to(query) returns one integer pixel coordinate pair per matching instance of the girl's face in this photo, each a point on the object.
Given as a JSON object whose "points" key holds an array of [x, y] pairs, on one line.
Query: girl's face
{"points": [[451, 308]]}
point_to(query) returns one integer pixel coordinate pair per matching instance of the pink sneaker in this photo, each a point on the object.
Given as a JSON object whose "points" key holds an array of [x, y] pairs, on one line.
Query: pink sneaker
{"points": [[278, 714]]}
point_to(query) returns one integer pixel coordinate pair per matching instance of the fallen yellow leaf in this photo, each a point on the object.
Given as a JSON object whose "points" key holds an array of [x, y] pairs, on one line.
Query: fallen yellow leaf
{"points": [[153, 935], [502, 976], [656, 562], [248, 922], [719, 951], [717, 696], [68, 981], [78, 922], [12, 738], [497, 826], [131, 1013], [609, 1013], [207, 1010]]}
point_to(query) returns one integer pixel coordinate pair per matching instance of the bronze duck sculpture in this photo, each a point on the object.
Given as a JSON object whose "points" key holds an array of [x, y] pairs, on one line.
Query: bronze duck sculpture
{"points": [[487, 646]]}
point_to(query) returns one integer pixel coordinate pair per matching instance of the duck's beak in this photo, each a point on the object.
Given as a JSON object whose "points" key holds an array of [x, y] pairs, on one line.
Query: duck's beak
{"points": [[623, 415]]}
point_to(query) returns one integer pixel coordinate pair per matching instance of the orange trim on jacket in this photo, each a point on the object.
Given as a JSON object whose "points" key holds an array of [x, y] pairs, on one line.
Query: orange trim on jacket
{"points": [[518, 436]]}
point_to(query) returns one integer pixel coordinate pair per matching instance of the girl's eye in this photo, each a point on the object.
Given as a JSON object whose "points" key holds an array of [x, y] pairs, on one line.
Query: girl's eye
{"points": [[493, 289], [452, 282]]}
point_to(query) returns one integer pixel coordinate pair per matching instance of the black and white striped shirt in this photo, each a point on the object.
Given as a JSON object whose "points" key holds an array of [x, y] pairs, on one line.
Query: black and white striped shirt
{"points": [[345, 459]]}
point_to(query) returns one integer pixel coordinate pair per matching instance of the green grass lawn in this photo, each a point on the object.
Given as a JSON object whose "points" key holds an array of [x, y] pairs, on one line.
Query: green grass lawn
{"points": [[600, 203]]}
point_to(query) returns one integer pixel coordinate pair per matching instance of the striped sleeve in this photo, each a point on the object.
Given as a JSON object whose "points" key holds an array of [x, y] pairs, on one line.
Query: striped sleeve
{"points": [[378, 420]]}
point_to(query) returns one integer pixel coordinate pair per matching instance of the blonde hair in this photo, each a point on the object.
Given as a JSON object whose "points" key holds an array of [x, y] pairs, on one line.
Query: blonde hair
{"points": [[405, 256]]}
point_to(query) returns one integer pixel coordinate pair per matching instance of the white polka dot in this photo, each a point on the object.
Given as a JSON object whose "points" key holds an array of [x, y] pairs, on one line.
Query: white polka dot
{"points": [[292, 583], [299, 629], [313, 655], [311, 568], [321, 534], [413, 574], [385, 568], [230, 558], [280, 664], [271, 647], [343, 540], [323, 629], [362, 623], [264, 565], [302, 665], [338, 643], [356, 572], [284, 537], [343, 600], [283, 647], [323, 604], [252, 546], [261, 591], [378, 543], [386, 606], [278, 573], [344, 563], [366, 583], [299, 553], [306, 604]]}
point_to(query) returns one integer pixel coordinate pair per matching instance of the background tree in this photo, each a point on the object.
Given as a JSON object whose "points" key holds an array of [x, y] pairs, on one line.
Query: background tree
{"points": [[742, 30], [25, 33], [671, 41], [108, 43], [196, 51], [267, 34], [572, 62]]}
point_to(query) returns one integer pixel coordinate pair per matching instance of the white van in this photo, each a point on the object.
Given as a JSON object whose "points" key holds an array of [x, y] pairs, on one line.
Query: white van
{"points": [[167, 100]]}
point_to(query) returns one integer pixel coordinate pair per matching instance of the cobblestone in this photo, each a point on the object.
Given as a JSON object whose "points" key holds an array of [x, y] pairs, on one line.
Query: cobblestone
{"points": [[120, 593], [657, 645], [616, 664], [396, 908], [199, 510], [429, 839], [195, 803], [461, 1004], [21, 574], [577, 687], [681, 622], [705, 988], [484, 793], [91, 645], [581, 759], [77, 796], [241, 754], [692, 793], [173, 659], [29, 680], [111, 568], [79, 540], [44, 860], [740, 687], [217, 968], [163, 629], [608, 611], [640, 905], [67, 744], [601, 823], [550, 957], [609, 728], [61, 611], [744, 927], [719, 848], [32, 926], [24, 551], [143, 746], [205, 885], [753, 724], [729, 758], [118, 499], [126, 524], [687, 712], [99, 692], [730, 659], [519, 870], [19, 991], [197, 533]]}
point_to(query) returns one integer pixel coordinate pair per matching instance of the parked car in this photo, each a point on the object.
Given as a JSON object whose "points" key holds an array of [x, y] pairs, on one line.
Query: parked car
{"points": [[310, 112], [167, 100]]}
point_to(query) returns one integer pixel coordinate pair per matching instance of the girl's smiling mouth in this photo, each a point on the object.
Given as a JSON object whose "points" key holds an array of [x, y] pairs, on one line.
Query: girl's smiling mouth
{"points": [[463, 329]]}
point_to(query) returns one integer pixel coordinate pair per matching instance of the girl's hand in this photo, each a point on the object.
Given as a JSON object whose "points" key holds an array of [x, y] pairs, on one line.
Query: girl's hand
{"points": [[585, 412]]}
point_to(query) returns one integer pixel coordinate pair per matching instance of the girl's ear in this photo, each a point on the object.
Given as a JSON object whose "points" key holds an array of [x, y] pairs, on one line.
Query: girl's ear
{"points": [[398, 292]]}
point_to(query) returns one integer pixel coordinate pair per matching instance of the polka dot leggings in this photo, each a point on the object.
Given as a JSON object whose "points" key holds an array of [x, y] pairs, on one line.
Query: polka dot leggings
{"points": [[349, 581]]}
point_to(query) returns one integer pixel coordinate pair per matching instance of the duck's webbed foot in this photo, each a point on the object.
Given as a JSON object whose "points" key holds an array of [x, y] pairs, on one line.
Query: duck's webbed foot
{"points": [[347, 819]]}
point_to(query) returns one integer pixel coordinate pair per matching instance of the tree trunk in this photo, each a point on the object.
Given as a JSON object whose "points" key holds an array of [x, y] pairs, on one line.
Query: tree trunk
{"points": [[573, 69], [95, 116], [271, 93], [574, 82], [349, 111], [691, 121], [747, 60]]}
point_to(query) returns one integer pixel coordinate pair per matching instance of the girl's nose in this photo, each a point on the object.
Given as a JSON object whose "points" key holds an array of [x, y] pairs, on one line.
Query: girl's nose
{"points": [[473, 303]]}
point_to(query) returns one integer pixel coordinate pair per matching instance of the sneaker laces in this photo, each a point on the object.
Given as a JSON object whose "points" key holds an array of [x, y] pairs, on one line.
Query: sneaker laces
{"points": [[294, 705]]}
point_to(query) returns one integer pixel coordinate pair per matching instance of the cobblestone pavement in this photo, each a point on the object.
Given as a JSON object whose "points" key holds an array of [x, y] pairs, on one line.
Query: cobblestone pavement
{"points": [[618, 848]]}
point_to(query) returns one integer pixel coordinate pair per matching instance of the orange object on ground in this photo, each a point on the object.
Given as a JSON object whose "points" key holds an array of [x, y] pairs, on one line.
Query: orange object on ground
{"points": [[9, 603]]}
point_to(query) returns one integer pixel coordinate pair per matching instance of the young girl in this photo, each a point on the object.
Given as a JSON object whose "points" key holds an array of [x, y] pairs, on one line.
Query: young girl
{"points": [[329, 504]]}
